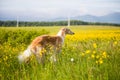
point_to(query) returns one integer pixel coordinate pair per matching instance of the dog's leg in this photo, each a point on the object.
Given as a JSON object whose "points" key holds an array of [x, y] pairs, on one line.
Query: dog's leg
{"points": [[57, 50], [53, 58], [40, 55]]}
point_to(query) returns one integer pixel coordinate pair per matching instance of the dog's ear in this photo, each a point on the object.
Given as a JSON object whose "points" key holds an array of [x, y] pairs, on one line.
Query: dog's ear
{"points": [[64, 29]]}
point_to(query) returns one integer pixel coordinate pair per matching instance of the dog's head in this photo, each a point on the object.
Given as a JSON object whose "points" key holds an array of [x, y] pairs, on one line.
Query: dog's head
{"points": [[68, 31]]}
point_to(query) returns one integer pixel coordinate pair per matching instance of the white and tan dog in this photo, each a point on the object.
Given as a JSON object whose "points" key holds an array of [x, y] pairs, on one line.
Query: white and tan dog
{"points": [[41, 44]]}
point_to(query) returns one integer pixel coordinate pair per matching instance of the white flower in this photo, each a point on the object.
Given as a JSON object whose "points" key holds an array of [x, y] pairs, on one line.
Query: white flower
{"points": [[72, 59]]}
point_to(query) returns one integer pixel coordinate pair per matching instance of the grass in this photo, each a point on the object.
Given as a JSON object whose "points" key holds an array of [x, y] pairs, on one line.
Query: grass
{"points": [[91, 54]]}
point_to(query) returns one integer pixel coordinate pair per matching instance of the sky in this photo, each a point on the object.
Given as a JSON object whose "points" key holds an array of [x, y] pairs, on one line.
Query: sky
{"points": [[58, 8]]}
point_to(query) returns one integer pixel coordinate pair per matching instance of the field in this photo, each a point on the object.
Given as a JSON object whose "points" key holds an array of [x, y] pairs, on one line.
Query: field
{"points": [[93, 53]]}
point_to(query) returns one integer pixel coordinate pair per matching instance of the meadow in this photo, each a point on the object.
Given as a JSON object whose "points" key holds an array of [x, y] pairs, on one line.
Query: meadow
{"points": [[91, 54]]}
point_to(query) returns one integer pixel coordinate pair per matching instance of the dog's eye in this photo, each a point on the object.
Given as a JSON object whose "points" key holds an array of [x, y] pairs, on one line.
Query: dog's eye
{"points": [[69, 29]]}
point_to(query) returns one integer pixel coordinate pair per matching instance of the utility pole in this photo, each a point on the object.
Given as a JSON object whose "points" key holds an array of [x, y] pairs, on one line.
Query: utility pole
{"points": [[17, 22], [68, 21]]}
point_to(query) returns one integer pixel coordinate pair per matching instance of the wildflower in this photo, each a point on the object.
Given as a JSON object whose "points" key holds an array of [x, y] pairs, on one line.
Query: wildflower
{"points": [[41, 53], [94, 52], [97, 62], [100, 61], [92, 56], [87, 51], [72, 59], [83, 54], [104, 55], [97, 56], [44, 50], [94, 45], [31, 58], [115, 43], [5, 58]]}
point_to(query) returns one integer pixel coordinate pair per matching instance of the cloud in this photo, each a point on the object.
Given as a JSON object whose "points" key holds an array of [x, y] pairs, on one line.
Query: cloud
{"points": [[53, 8]]}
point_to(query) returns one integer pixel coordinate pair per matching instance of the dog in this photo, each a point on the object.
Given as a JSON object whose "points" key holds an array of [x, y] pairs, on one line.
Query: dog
{"points": [[42, 44]]}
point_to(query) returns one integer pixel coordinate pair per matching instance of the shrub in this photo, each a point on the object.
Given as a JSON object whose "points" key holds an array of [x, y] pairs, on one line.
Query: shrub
{"points": [[18, 36]]}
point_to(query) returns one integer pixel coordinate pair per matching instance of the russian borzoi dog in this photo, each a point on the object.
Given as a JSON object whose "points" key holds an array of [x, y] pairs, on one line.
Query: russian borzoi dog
{"points": [[41, 44]]}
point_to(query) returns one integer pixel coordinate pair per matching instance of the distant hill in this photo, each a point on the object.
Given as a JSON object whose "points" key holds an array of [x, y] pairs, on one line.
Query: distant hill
{"points": [[109, 18]]}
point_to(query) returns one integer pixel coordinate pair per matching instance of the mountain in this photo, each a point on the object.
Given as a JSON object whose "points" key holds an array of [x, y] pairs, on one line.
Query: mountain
{"points": [[109, 18], [87, 18]]}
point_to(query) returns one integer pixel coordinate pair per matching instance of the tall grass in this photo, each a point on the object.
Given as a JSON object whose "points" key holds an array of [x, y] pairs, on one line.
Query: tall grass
{"points": [[91, 54]]}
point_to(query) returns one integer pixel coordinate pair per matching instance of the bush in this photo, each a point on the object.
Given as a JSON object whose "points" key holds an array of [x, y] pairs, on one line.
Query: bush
{"points": [[18, 36]]}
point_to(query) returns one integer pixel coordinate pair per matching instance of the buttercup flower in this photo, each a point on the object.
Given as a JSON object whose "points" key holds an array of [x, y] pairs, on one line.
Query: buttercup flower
{"points": [[93, 56], [87, 51], [94, 45]]}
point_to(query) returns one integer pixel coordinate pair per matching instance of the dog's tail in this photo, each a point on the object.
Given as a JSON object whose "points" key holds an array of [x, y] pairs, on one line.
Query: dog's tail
{"points": [[24, 57]]}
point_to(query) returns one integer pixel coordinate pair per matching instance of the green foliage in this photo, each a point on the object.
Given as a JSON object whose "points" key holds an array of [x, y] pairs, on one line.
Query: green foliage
{"points": [[54, 23], [19, 36]]}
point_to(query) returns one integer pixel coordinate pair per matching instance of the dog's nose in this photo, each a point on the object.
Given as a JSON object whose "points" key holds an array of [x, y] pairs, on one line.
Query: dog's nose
{"points": [[73, 33]]}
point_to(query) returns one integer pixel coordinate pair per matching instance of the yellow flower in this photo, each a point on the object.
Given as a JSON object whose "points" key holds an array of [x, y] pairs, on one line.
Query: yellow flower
{"points": [[115, 43], [82, 54], [87, 51], [97, 56], [5, 58], [93, 56], [94, 52], [97, 62], [100, 61], [94, 45], [104, 55], [40, 53]]}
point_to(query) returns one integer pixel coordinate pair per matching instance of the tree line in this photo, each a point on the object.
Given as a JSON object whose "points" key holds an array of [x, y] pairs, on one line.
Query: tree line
{"points": [[55, 23]]}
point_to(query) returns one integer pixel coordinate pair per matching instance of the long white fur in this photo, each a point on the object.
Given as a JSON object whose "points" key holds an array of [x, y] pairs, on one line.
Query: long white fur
{"points": [[23, 56]]}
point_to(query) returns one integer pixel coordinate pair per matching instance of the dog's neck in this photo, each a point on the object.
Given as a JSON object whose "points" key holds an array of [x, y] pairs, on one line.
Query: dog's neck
{"points": [[62, 34]]}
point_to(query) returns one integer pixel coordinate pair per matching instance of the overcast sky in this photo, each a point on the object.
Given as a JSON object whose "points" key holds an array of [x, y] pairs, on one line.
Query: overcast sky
{"points": [[58, 8]]}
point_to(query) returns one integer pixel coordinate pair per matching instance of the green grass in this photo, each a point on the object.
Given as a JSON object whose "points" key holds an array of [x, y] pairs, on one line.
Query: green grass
{"points": [[93, 58]]}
